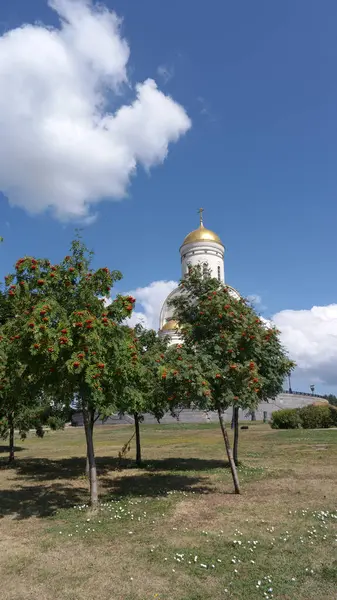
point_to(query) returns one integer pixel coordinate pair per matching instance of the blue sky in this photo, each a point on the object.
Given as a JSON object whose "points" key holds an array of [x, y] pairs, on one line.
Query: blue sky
{"points": [[258, 81]]}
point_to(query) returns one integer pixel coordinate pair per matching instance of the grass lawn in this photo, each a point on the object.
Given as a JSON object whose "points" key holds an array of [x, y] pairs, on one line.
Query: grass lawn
{"points": [[172, 530]]}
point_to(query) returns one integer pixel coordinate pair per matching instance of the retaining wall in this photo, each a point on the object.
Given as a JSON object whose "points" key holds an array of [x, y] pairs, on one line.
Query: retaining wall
{"points": [[283, 400]]}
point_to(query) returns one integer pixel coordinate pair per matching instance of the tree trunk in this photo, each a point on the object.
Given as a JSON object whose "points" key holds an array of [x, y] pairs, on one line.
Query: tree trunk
{"points": [[253, 415], [229, 453], [11, 439], [236, 434], [138, 448], [87, 466], [88, 418]]}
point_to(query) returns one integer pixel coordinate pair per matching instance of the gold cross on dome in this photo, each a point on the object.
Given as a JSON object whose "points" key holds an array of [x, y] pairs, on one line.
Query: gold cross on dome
{"points": [[200, 211]]}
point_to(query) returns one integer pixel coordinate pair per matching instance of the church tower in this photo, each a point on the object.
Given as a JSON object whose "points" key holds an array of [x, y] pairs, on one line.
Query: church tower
{"points": [[199, 247], [203, 246]]}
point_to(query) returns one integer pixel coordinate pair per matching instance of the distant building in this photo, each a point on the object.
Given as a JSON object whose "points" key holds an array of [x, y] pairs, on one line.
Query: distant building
{"points": [[199, 247]]}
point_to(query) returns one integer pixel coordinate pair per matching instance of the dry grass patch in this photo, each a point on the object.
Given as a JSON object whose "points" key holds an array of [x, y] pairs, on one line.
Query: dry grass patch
{"points": [[154, 521]]}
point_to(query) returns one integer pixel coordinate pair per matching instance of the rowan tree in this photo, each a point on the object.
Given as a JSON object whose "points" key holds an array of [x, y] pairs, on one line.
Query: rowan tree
{"points": [[19, 403], [183, 380], [22, 403], [241, 361], [68, 337], [141, 390]]}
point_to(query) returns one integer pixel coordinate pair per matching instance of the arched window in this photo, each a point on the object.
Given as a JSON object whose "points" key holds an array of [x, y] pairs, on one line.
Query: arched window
{"points": [[219, 274]]}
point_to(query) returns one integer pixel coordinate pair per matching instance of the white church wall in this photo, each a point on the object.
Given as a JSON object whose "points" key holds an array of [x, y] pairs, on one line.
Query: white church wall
{"points": [[174, 337], [201, 252], [167, 311]]}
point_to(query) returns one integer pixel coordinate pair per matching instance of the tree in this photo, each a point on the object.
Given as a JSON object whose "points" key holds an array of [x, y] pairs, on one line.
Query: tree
{"points": [[17, 389], [332, 399], [18, 409], [68, 335], [241, 361], [141, 390], [23, 403]]}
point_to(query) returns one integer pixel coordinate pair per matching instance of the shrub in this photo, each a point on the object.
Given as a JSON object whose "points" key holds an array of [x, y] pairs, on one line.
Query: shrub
{"points": [[333, 415], [287, 418], [314, 417]]}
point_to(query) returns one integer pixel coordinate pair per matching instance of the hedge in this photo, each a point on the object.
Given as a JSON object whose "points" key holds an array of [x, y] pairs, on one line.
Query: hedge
{"points": [[315, 417], [308, 417], [333, 414], [287, 418]]}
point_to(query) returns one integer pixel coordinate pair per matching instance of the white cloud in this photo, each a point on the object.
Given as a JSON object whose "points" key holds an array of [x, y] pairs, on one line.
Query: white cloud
{"points": [[311, 339], [61, 147], [256, 301], [310, 336], [151, 299], [266, 322]]}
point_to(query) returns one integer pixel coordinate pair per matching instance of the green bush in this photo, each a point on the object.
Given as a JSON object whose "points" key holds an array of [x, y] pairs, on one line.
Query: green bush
{"points": [[315, 417], [287, 418], [308, 417], [333, 415]]}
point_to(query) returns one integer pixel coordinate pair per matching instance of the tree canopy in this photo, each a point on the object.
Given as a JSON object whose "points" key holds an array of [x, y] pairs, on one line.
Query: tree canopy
{"points": [[63, 339], [67, 336], [229, 357], [141, 390]]}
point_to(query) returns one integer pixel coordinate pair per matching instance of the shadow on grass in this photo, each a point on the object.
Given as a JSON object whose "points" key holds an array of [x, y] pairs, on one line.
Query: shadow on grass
{"points": [[5, 449], [184, 464], [44, 500], [44, 469], [155, 484], [38, 501]]}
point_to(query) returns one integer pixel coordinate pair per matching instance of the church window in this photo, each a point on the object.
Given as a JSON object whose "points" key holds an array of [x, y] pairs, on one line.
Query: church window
{"points": [[219, 273]]}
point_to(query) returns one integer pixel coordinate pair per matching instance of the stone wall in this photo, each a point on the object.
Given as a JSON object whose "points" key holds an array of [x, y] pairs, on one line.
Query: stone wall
{"points": [[284, 400]]}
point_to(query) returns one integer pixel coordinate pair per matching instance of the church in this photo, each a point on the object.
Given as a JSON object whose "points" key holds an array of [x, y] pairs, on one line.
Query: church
{"points": [[201, 246]]}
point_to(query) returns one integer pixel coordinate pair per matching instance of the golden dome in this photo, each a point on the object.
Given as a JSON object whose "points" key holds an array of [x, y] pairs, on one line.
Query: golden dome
{"points": [[170, 325], [202, 234]]}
